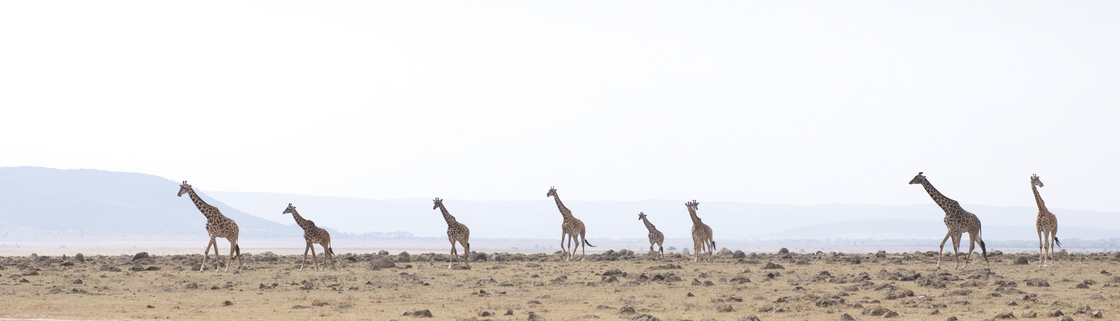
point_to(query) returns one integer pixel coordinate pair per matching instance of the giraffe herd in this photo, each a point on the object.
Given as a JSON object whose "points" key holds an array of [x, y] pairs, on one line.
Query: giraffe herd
{"points": [[573, 232]]}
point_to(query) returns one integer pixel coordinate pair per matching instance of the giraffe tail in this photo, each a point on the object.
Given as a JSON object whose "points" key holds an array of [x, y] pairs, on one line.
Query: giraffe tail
{"points": [[1056, 242], [236, 249], [983, 250], [713, 245], [331, 249], [588, 243]]}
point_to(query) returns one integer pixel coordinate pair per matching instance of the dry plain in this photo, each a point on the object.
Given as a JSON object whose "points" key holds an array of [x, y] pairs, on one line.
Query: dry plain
{"points": [[612, 285]]}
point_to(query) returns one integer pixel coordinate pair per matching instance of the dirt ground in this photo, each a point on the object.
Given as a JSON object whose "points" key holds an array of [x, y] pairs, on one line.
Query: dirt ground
{"points": [[613, 285]]}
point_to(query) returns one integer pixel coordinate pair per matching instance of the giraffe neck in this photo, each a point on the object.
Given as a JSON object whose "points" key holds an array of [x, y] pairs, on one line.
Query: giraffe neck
{"points": [[447, 215], [303, 223], [695, 219], [563, 209], [944, 202], [649, 225], [1038, 199], [198, 202]]}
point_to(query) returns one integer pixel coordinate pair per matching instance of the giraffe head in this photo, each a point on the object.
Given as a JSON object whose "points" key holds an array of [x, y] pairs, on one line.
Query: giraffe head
{"points": [[918, 179], [641, 216], [183, 189], [551, 192], [291, 209], [693, 205], [1035, 181], [437, 203]]}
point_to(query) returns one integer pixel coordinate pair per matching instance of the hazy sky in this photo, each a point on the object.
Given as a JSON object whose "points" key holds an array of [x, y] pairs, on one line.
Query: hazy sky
{"points": [[784, 102]]}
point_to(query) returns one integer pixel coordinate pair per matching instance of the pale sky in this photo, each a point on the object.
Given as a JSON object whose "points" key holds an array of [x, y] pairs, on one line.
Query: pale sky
{"points": [[780, 102]]}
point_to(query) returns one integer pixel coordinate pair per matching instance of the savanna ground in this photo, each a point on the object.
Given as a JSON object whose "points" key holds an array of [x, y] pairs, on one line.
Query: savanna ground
{"points": [[612, 285]]}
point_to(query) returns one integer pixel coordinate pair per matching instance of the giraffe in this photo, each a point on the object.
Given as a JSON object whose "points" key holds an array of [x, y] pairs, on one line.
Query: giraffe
{"points": [[570, 228], [701, 233], [958, 221], [313, 234], [655, 236], [1047, 226], [456, 232], [217, 225]]}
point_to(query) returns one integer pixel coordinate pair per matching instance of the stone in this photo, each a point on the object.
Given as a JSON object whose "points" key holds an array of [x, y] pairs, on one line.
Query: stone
{"points": [[1006, 315], [381, 263]]}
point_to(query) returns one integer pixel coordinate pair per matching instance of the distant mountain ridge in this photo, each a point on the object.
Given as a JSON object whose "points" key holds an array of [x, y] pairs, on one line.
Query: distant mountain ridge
{"points": [[64, 203], [95, 202]]}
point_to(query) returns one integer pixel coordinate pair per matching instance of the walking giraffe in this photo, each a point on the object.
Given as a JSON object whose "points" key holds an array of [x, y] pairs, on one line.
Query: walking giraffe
{"points": [[1047, 226], [217, 225], [570, 228], [958, 221], [313, 235], [456, 232], [701, 233], [655, 236]]}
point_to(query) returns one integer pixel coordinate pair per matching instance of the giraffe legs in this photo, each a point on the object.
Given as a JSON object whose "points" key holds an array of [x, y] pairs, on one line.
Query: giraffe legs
{"points": [[229, 261], [206, 254], [563, 239], [314, 257], [305, 249], [582, 239], [956, 251], [328, 253], [941, 249], [454, 255], [1041, 249]]}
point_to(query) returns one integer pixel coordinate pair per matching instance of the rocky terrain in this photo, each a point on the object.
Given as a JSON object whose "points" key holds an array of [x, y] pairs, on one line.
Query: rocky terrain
{"points": [[613, 285]]}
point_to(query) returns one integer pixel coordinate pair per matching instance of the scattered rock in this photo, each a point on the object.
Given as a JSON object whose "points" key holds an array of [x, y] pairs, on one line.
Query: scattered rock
{"points": [[626, 310], [847, 317], [772, 266], [750, 318], [739, 254], [381, 263], [644, 317], [80, 258], [875, 311], [141, 255], [419, 313], [1006, 315], [1022, 260], [783, 251], [1037, 282], [227, 303], [723, 308], [298, 307], [1055, 313], [1029, 314]]}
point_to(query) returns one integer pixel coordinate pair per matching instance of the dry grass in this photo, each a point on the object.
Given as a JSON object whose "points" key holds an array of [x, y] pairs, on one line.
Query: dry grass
{"points": [[818, 286]]}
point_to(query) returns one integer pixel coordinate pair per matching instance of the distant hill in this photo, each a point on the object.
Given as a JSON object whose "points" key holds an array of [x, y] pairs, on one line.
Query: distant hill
{"points": [[92, 203], [52, 203]]}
